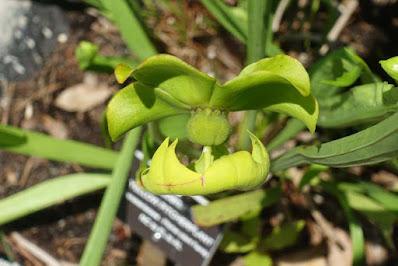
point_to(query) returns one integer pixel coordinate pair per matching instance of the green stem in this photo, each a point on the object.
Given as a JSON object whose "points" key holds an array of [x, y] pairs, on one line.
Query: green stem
{"points": [[103, 224], [259, 19]]}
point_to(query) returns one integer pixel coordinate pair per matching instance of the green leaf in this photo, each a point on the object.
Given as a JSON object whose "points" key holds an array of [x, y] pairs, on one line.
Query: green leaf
{"points": [[174, 127], [175, 81], [356, 233], [391, 67], [130, 27], [89, 59], [246, 239], [347, 78], [384, 197], [311, 174], [134, 105], [234, 19], [49, 193], [374, 211], [330, 68], [257, 258], [362, 104], [102, 228], [283, 236], [372, 145], [292, 128], [39, 145], [231, 208]]}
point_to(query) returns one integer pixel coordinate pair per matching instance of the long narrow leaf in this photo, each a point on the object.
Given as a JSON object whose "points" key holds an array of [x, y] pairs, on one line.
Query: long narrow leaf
{"points": [[372, 145], [39, 145], [49, 193], [99, 235], [130, 27]]}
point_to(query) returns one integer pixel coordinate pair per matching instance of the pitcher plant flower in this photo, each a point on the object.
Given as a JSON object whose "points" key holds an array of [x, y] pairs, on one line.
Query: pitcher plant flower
{"points": [[166, 86]]}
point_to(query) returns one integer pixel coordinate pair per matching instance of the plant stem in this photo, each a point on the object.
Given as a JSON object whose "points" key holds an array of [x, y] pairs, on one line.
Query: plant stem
{"points": [[98, 239], [259, 22]]}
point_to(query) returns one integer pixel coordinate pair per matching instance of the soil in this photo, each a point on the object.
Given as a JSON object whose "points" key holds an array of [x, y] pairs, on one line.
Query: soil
{"points": [[63, 230]]}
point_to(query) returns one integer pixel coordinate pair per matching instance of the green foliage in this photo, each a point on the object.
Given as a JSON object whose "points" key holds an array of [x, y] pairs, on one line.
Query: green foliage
{"points": [[89, 58], [167, 86], [39, 145], [283, 236], [369, 146], [233, 207], [49, 193], [256, 258], [98, 239]]}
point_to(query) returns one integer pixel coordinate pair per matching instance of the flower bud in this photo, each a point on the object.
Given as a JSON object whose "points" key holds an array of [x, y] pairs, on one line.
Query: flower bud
{"points": [[208, 127]]}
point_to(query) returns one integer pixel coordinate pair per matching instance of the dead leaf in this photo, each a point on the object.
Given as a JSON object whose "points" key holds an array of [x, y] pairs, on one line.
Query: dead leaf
{"points": [[84, 96], [150, 255], [308, 257], [54, 127]]}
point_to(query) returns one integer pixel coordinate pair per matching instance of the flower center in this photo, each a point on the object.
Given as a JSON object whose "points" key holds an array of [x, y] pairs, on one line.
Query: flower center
{"points": [[208, 127]]}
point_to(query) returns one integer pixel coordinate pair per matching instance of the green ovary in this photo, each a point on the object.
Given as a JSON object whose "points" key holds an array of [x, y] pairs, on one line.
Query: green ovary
{"points": [[208, 127]]}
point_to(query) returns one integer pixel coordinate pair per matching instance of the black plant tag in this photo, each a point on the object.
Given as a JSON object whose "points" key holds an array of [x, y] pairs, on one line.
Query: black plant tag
{"points": [[166, 221]]}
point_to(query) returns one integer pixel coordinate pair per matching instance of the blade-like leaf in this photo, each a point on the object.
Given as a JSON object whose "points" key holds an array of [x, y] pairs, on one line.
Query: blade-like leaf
{"points": [[292, 128], [231, 208], [173, 78], [130, 27], [174, 127], [372, 145], [49, 193], [234, 19], [361, 104], [122, 73], [36, 144], [356, 233], [134, 105]]}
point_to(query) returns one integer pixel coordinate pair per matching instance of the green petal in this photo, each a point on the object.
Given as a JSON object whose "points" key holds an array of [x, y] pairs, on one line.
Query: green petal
{"points": [[135, 105], [176, 79], [263, 89], [240, 170], [285, 66]]}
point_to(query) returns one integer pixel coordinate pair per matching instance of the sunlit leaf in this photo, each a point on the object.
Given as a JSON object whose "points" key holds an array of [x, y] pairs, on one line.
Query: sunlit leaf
{"points": [[233, 207], [122, 72], [257, 258], [49, 193], [359, 105], [39, 145], [283, 236], [375, 144]]}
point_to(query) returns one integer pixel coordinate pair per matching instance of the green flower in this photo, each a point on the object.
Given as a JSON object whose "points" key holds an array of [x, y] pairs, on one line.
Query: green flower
{"points": [[166, 86]]}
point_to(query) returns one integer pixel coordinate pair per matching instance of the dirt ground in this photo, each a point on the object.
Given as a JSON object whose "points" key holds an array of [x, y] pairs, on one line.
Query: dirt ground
{"points": [[63, 230]]}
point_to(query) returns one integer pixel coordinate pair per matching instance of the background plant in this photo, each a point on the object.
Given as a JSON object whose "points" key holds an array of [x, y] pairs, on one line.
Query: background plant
{"points": [[351, 98]]}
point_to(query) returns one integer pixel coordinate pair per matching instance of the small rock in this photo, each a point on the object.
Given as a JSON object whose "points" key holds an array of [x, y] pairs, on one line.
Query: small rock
{"points": [[29, 32]]}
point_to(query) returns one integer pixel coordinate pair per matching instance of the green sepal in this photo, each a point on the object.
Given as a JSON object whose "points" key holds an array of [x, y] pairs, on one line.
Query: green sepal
{"points": [[135, 105], [123, 72], [263, 89], [240, 170], [391, 67], [176, 80], [285, 66]]}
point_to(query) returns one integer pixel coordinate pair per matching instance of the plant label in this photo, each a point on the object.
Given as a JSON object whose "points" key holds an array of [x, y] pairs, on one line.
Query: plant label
{"points": [[166, 221]]}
